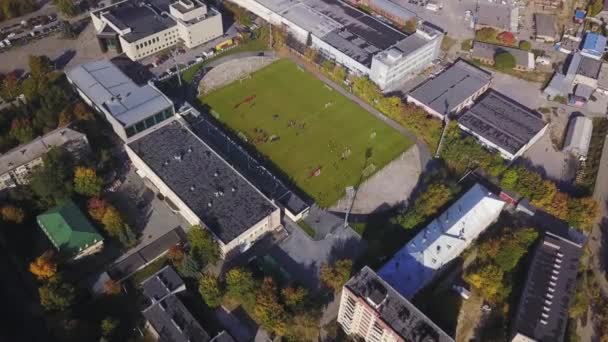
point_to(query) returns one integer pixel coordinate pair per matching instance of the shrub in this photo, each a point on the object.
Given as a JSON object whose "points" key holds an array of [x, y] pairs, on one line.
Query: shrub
{"points": [[525, 45], [504, 60]]}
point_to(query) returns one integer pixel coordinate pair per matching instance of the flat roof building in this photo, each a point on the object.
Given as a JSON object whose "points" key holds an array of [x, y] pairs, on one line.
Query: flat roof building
{"points": [[498, 16], [544, 25], [502, 124], [17, 165], [582, 71], [203, 187], [70, 231], [352, 38], [486, 52], [452, 90], [128, 107], [387, 8], [140, 28], [543, 310], [440, 242], [578, 136], [371, 309]]}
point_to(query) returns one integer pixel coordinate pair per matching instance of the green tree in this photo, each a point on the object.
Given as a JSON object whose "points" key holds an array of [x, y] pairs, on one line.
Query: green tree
{"points": [[504, 60], [486, 34], [52, 182], [56, 295], [112, 221], [410, 25], [66, 7], [336, 275], [514, 247], [203, 247], [525, 45], [86, 181], [22, 130], [269, 312], [210, 290], [240, 285], [108, 326], [10, 87]]}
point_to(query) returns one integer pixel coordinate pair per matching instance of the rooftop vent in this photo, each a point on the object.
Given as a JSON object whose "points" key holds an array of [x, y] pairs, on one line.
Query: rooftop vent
{"points": [[177, 157], [377, 293], [192, 188], [189, 149], [233, 189], [209, 204]]}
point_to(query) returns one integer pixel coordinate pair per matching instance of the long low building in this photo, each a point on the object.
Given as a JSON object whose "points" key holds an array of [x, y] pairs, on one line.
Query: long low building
{"points": [[452, 90], [17, 165], [140, 28], [543, 310], [203, 187], [417, 263], [371, 309], [578, 137], [502, 124], [130, 108], [486, 52], [353, 38]]}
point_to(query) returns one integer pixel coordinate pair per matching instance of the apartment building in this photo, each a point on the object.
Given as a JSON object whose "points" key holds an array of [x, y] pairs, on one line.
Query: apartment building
{"points": [[353, 38], [142, 28], [373, 311], [17, 164]]}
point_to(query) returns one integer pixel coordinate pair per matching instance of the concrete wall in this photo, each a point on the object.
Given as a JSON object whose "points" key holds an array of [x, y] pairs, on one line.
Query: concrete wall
{"points": [[151, 44], [201, 32]]}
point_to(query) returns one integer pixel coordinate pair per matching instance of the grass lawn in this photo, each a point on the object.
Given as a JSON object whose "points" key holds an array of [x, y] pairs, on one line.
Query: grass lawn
{"points": [[311, 132]]}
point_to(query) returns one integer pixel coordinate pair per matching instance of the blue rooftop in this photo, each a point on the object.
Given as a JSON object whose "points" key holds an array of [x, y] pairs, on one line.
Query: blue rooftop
{"points": [[580, 14], [594, 44]]}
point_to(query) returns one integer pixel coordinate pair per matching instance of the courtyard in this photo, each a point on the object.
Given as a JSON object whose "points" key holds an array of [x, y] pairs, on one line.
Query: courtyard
{"points": [[309, 131]]}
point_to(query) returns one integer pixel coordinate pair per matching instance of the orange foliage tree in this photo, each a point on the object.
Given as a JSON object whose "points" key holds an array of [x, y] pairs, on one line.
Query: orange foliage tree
{"points": [[45, 266]]}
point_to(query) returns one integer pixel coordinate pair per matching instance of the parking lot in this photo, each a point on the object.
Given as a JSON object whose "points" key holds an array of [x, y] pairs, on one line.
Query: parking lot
{"points": [[451, 18]]}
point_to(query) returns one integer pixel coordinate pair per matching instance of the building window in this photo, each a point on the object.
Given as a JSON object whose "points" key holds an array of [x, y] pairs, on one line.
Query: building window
{"points": [[130, 131], [159, 117], [150, 122], [140, 126]]}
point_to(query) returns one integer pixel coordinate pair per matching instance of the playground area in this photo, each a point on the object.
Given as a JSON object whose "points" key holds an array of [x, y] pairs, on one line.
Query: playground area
{"points": [[320, 139]]}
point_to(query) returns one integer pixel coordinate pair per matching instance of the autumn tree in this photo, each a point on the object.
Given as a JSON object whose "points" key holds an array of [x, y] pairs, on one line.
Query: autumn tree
{"points": [[176, 255], [9, 89], [336, 275], [56, 295], [66, 7], [22, 130], [410, 25], [111, 287], [240, 285], [11, 213], [269, 312], [310, 54], [108, 326], [507, 38], [487, 279], [44, 267], [81, 112], [86, 181], [303, 326], [294, 297], [97, 208], [210, 290], [203, 247], [65, 117], [112, 221]]}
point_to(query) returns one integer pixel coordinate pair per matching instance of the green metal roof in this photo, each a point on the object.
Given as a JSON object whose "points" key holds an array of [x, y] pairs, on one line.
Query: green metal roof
{"points": [[68, 229]]}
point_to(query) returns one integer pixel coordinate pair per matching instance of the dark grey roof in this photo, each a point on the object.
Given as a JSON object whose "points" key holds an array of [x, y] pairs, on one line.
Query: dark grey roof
{"points": [[503, 121], [543, 308], [224, 201], [142, 20], [397, 312], [488, 51], [248, 165], [589, 67], [162, 283], [545, 25], [173, 322], [496, 15], [451, 87]]}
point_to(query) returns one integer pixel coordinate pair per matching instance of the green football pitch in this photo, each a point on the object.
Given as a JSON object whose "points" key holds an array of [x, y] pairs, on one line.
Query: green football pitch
{"points": [[323, 141]]}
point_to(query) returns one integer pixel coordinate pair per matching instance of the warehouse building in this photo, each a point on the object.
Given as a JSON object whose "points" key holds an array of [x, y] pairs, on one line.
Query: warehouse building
{"points": [[543, 310], [544, 25], [140, 28], [486, 52], [352, 38], [502, 124], [388, 9], [578, 136], [372, 310], [128, 107], [503, 17], [417, 263], [452, 90], [196, 182], [17, 165]]}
